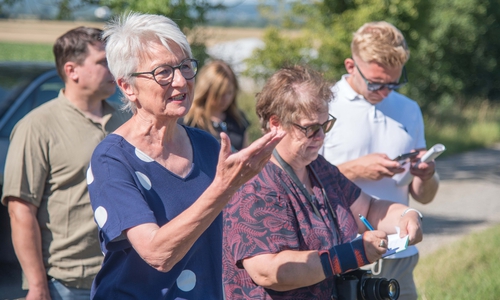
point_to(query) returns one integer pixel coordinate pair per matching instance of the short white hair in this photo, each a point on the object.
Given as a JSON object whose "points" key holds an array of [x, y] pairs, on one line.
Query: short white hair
{"points": [[127, 37]]}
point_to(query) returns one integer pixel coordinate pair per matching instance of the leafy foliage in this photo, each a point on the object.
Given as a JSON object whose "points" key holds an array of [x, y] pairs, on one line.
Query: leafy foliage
{"points": [[454, 49], [188, 14], [5, 4]]}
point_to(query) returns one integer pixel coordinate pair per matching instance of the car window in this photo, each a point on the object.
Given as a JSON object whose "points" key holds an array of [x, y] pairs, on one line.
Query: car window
{"points": [[43, 93], [117, 97], [14, 78]]}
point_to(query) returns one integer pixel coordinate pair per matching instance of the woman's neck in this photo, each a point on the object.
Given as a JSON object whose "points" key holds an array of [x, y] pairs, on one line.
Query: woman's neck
{"points": [[218, 116], [302, 174], [299, 170]]}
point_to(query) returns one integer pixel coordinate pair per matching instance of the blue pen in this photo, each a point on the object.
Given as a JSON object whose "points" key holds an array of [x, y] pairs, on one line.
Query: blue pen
{"points": [[365, 221]]}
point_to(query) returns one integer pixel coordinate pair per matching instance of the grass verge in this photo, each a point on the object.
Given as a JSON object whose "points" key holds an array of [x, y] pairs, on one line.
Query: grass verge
{"points": [[26, 52], [463, 126], [466, 269]]}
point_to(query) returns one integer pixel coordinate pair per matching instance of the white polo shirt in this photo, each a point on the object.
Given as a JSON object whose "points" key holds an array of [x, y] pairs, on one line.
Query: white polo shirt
{"points": [[393, 126]]}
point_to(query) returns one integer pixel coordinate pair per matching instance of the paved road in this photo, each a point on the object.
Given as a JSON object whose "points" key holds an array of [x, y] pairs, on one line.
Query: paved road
{"points": [[467, 201]]}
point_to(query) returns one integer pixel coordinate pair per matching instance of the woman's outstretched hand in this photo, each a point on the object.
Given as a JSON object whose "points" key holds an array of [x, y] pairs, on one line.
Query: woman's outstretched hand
{"points": [[234, 169]]}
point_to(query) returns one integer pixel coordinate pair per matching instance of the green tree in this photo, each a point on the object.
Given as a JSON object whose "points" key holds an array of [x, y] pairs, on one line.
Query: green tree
{"points": [[5, 4], [188, 14], [65, 7], [454, 45]]}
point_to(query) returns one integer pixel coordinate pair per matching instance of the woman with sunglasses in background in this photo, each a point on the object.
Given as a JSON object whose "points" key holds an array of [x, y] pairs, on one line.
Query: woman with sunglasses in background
{"points": [[214, 105], [292, 228]]}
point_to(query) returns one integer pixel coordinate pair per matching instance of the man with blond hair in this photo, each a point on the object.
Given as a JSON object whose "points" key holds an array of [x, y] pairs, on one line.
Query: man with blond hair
{"points": [[374, 125]]}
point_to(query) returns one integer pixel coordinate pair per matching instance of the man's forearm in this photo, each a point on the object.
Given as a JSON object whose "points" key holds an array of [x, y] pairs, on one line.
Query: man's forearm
{"points": [[424, 191], [27, 241], [349, 170]]}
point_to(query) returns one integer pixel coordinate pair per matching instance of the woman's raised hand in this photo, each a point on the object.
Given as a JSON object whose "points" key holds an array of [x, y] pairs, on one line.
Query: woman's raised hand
{"points": [[234, 169]]}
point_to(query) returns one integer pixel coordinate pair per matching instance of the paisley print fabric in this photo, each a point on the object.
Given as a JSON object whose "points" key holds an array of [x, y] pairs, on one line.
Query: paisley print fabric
{"points": [[269, 214]]}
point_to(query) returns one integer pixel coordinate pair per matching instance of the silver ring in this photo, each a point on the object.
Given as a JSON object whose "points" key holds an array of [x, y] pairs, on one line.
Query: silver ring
{"points": [[382, 244]]}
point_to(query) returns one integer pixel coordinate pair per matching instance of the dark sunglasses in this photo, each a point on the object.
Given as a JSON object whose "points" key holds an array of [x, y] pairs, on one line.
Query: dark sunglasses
{"points": [[312, 130], [372, 87]]}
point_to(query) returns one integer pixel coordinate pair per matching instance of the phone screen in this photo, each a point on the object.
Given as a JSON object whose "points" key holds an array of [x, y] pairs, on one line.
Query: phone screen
{"points": [[406, 156]]}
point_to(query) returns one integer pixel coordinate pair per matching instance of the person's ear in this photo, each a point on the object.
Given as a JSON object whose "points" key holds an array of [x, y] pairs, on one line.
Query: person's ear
{"points": [[127, 89], [350, 66], [274, 122], [70, 69]]}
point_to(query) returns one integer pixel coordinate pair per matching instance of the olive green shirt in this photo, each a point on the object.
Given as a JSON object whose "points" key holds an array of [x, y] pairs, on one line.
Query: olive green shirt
{"points": [[46, 165]]}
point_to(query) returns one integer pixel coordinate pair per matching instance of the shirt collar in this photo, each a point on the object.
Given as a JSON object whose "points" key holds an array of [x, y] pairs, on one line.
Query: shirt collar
{"points": [[107, 112], [347, 91]]}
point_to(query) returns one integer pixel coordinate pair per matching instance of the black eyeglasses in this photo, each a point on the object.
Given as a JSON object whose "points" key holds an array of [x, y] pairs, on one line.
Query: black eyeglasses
{"points": [[164, 74], [372, 87], [312, 130]]}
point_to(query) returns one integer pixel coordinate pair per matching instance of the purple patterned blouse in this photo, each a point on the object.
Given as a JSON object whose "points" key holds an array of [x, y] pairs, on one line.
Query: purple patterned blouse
{"points": [[269, 214]]}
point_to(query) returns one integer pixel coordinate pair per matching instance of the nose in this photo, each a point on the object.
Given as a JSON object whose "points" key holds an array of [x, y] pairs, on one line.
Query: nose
{"points": [[384, 92], [178, 79], [320, 134]]}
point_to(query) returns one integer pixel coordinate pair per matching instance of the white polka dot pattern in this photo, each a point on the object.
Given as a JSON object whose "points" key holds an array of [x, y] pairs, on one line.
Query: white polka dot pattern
{"points": [[90, 175], [186, 281], [101, 216], [143, 156], [144, 180]]}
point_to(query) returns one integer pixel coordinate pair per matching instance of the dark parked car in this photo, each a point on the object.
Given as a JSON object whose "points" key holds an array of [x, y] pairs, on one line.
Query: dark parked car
{"points": [[23, 86]]}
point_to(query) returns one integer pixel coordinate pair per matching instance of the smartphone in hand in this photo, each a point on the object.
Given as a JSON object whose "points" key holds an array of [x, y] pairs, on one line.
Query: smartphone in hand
{"points": [[403, 157]]}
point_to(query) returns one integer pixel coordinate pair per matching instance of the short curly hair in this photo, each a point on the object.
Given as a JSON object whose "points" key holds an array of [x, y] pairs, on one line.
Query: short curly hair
{"points": [[293, 93]]}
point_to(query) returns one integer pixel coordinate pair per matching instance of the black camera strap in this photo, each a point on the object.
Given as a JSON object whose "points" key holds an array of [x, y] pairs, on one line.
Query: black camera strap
{"points": [[288, 169]]}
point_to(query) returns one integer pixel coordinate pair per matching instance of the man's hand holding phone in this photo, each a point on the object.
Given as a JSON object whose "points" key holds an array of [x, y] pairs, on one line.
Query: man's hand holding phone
{"points": [[374, 166], [421, 169], [403, 158]]}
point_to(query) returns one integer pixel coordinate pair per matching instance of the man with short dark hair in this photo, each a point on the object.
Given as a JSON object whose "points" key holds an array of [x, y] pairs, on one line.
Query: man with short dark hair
{"points": [[45, 188], [374, 125]]}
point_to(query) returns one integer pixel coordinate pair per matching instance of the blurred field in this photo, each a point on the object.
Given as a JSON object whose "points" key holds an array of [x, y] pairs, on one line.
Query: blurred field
{"points": [[42, 31]]}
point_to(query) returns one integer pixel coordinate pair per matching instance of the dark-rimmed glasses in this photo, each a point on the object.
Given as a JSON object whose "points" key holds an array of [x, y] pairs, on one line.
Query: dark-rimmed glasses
{"points": [[372, 87], [312, 130], [164, 74]]}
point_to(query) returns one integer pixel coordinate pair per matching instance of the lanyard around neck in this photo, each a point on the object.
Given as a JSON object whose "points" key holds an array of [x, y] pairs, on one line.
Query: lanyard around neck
{"points": [[288, 169]]}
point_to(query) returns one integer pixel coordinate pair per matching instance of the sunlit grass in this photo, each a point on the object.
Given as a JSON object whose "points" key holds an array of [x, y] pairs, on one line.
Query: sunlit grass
{"points": [[25, 52], [462, 127], [464, 270]]}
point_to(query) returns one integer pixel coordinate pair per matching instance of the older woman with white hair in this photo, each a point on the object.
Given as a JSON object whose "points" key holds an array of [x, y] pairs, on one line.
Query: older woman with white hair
{"points": [[157, 188]]}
